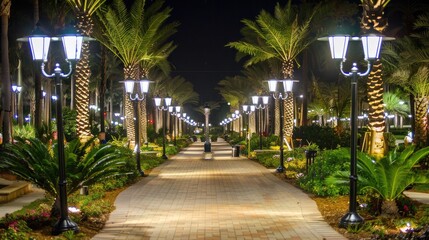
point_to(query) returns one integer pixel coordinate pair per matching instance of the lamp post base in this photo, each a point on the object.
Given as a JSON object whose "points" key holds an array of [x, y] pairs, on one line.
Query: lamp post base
{"points": [[63, 225], [207, 147], [350, 219], [164, 157], [280, 169]]}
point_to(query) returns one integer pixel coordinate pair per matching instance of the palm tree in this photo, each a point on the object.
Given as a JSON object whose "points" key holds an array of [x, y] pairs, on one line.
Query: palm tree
{"points": [[373, 18], [5, 116], [393, 104], [138, 37], [181, 91], [280, 36], [416, 83], [84, 11]]}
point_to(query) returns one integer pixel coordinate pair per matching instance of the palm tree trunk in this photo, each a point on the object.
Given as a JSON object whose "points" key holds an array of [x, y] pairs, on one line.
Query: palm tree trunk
{"points": [[276, 117], [5, 73], [372, 17], [389, 208], [82, 93], [130, 72], [82, 75], [103, 86], [421, 121], [288, 121], [143, 121]]}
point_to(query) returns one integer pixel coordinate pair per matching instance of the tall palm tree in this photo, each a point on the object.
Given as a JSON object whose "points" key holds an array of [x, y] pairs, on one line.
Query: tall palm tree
{"points": [[393, 104], [416, 83], [5, 116], [136, 35], [84, 11], [373, 18], [181, 91], [279, 36]]}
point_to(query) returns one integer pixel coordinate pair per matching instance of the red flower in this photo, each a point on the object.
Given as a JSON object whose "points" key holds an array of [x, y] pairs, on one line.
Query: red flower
{"points": [[406, 209]]}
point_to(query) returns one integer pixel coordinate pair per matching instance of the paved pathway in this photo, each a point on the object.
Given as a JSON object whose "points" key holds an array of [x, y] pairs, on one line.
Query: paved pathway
{"points": [[18, 203], [223, 198]]}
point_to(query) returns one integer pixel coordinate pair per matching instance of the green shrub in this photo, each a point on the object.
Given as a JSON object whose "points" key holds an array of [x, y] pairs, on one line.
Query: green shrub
{"points": [[214, 137], [326, 163], [171, 150], [26, 131], [96, 208], [269, 159], [325, 137], [150, 162]]}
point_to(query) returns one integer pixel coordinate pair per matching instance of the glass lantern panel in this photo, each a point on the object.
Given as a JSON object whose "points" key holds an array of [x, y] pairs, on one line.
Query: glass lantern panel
{"points": [[157, 101], [371, 46], [129, 86], [272, 85], [39, 47], [287, 85], [167, 101], [72, 46], [338, 45], [265, 100], [144, 86], [255, 99]]}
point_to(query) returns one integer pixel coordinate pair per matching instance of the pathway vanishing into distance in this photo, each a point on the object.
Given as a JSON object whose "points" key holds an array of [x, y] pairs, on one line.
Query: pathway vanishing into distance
{"points": [[222, 198]]}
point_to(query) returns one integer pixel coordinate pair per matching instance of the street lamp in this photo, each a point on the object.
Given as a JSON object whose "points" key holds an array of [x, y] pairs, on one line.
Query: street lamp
{"points": [[248, 110], [16, 90], [287, 88], [163, 109], [135, 95], [255, 101], [338, 44], [174, 111], [72, 43], [207, 144]]}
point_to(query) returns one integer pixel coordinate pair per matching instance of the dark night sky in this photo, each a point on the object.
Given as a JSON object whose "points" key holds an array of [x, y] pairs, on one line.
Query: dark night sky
{"points": [[206, 26]]}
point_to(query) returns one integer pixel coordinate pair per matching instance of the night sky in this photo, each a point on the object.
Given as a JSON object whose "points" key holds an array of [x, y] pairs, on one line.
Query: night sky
{"points": [[206, 26]]}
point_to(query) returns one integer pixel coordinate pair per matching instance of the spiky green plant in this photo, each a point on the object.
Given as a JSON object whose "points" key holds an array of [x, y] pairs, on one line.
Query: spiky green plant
{"points": [[86, 164], [389, 176]]}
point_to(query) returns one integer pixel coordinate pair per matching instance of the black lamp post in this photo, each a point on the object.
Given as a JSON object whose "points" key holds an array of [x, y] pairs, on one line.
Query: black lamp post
{"points": [[163, 109], [16, 90], [248, 110], [39, 44], [255, 101], [174, 111], [135, 96], [287, 88], [371, 46], [207, 144]]}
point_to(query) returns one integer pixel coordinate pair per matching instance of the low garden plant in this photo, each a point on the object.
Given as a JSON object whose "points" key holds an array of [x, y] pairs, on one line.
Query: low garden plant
{"points": [[103, 168]]}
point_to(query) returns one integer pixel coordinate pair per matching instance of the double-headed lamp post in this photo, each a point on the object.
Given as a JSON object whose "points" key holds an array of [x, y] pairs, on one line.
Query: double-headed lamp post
{"points": [[287, 88], [174, 111], [136, 95], [163, 109], [255, 101], [16, 90], [248, 110], [207, 144], [39, 44], [371, 46]]}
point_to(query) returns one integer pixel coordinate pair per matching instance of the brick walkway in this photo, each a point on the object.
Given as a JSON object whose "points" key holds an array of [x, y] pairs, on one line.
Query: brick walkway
{"points": [[222, 198]]}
